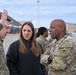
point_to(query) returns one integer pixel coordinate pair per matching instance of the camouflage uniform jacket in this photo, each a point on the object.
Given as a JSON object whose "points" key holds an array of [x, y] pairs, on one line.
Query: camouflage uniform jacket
{"points": [[64, 62], [3, 66], [42, 41]]}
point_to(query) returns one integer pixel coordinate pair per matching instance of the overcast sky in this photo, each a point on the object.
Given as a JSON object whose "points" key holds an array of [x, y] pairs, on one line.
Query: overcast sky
{"points": [[27, 10]]}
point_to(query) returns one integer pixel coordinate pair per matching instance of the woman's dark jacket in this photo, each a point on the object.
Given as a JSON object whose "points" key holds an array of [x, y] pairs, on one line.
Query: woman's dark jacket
{"points": [[22, 64]]}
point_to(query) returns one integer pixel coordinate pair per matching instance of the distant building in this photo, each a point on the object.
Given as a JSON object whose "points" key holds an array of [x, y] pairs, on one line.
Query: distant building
{"points": [[71, 27]]}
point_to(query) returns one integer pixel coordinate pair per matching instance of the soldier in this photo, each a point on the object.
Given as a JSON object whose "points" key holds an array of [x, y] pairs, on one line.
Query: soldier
{"points": [[4, 29], [41, 37], [61, 56]]}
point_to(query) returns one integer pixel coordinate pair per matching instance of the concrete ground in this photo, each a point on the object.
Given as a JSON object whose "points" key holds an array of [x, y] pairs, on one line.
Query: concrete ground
{"points": [[9, 39]]}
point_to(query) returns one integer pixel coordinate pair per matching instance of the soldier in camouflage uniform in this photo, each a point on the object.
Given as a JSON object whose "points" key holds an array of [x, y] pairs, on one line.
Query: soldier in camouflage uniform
{"points": [[61, 56], [41, 37], [3, 67], [4, 27]]}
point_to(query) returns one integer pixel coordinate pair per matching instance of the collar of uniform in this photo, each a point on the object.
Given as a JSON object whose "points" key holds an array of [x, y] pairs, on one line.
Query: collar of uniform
{"points": [[61, 40], [43, 37]]}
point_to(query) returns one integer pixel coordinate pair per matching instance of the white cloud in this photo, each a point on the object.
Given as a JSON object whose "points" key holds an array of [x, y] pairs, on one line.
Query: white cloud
{"points": [[48, 10]]}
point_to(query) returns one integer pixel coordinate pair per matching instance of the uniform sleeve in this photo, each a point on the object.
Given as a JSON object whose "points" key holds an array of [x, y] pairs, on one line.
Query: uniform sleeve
{"points": [[58, 64], [66, 55], [12, 59], [44, 58]]}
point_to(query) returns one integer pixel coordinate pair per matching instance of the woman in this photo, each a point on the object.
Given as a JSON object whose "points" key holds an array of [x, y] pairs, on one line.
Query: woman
{"points": [[23, 56]]}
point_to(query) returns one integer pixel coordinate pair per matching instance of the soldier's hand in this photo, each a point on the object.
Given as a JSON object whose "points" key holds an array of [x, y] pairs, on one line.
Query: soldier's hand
{"points": [[53, 57], [50, 59], [3, 20]]}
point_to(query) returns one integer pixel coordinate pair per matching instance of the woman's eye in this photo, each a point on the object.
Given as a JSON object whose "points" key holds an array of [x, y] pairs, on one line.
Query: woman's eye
{"points": [[29, 30], [24, 30]]}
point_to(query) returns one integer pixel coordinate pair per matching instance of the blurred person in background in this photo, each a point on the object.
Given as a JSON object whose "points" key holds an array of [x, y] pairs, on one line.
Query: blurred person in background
{"points": [[49, 38], [41, 39]]}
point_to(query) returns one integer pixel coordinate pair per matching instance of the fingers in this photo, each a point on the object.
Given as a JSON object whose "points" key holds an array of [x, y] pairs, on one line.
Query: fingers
{"points": [[3, 20], [53, 57], [4, 15], [5, 11]]}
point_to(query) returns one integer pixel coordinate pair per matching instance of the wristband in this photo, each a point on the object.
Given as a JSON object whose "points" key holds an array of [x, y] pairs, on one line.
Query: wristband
{"points": [[49, 59]]}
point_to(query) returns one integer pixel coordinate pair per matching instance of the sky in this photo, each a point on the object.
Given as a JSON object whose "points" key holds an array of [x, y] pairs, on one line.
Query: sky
{"points": [[40, 13]]}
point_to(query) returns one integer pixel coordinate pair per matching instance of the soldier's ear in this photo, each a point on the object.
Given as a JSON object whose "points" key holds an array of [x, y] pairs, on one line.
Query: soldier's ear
{"points": [[62, 28]]}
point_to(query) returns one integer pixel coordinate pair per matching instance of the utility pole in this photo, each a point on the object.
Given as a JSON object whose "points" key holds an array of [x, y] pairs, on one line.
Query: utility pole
{"points": [[38, 12]]}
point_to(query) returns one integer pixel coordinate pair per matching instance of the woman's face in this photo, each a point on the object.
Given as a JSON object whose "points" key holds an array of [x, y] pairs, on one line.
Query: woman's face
{"points": [[27, 32]]}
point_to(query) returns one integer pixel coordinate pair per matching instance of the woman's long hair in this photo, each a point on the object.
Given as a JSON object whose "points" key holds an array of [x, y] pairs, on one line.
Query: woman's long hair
{"points": [[35, 47]]}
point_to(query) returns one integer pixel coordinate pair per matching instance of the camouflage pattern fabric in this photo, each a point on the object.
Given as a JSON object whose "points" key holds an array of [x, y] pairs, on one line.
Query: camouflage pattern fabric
{"points": [[42, 41], [3, 66], [64, 62]]}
